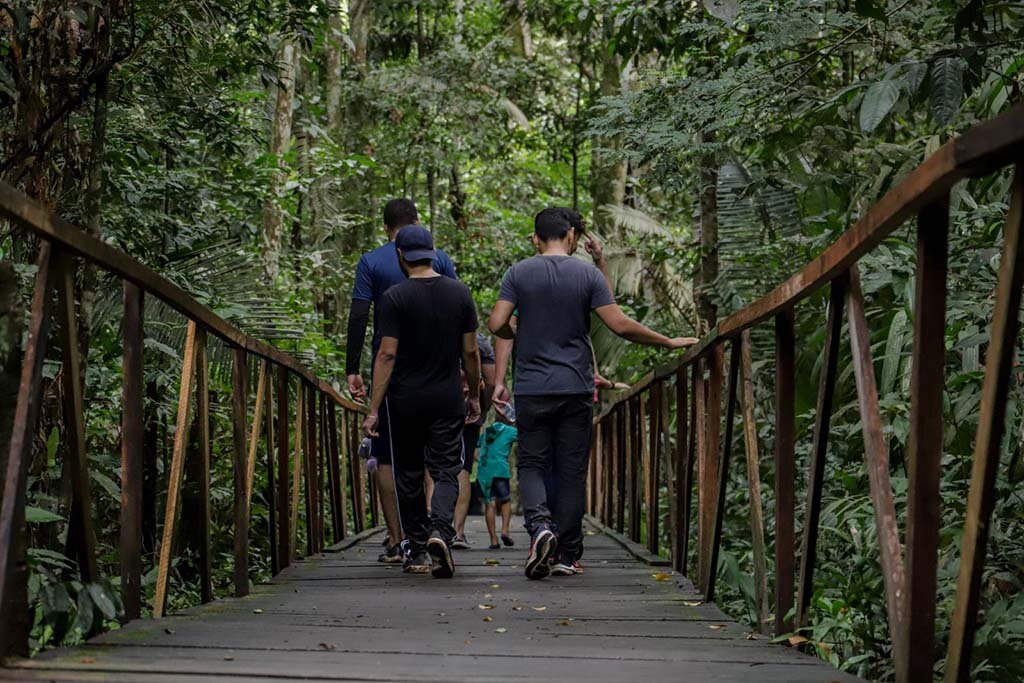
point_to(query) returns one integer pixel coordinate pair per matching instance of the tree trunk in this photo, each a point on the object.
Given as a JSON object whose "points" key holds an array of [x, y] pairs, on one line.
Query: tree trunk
{"points": [[707, 310], [457, 199], [608, 172], [333, 68], [359, 32], [522, 41], [273, 217]]}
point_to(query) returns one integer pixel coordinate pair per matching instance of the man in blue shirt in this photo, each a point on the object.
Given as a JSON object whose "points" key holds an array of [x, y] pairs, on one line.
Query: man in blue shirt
{"points": [[378, 271]]}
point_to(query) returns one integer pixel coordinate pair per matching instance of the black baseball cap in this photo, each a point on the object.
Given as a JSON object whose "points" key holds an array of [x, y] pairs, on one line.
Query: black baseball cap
{"points": [[416, 243]]}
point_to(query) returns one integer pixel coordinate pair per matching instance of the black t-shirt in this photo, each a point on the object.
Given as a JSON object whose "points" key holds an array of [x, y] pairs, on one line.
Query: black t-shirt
{"points": [[554, 296], [428, 317]]}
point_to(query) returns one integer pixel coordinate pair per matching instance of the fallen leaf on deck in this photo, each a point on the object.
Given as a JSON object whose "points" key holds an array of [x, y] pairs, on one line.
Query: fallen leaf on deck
{"points": [[538, 609], [500, 630], [327, 646], [88, 660], [495, 585], [257, 611], [753, 636], [485, 606], [493, 563], [564, 622], [228, 658], [693, 603], [517, 608], [169, 631], [661, 576], [717, 626], [488, 619], [796, 640]]}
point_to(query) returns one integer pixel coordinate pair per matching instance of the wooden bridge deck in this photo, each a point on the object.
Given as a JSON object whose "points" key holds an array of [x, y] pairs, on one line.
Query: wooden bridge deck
{"points": [[343, 616]]}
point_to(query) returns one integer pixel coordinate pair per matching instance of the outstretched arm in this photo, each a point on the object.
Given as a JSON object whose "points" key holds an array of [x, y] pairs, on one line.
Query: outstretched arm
{"points": [[629, 329]]}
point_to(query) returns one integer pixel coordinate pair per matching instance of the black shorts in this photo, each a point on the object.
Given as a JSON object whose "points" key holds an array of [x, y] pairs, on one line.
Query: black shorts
{"points": [[470, 437], [500, 491], [380, 446]]}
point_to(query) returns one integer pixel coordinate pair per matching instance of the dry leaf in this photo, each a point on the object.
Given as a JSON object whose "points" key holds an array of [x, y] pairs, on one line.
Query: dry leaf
{"points": [[564, 622], [517, 608], [257, 611], [327, 646], [493, 563], [488, 619], [495, 585], [538, 609], [88, 660], [717, 626], [228, 658], [753, 636], [485, 606], [169, 631], [796, 640], [487, 595], [500, 630], [661, 576], [693, 603]]}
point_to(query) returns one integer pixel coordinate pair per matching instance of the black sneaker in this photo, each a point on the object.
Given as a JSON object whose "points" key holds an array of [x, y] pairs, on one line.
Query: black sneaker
{"points": [[460, 543], [541, 549], [507, 540], [393, 555], [494, 546], [417, 563], [441, 564]]}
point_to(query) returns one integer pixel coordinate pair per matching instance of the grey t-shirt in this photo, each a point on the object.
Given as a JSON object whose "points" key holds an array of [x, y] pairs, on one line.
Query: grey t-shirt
{"points": [[554, 296]]}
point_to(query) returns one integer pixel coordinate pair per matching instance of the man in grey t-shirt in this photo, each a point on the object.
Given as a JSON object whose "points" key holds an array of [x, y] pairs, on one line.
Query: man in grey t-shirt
{"points": [[553, 294]]}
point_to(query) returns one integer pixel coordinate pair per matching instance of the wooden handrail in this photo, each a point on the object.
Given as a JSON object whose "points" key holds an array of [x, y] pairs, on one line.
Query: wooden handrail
{"points": [[316, 442], [909, 571], [37, 219]]}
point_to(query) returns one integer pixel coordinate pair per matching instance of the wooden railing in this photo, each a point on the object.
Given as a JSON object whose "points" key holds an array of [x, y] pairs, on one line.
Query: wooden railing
{"points": [[633, 441], [323, 452]]}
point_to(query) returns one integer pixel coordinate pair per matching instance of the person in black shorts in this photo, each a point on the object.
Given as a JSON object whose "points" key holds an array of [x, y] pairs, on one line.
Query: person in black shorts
{"points": [[428, 328]]}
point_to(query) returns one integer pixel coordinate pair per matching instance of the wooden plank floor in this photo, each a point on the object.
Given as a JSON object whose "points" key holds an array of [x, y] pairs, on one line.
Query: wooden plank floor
{"points": [[343, 616]]}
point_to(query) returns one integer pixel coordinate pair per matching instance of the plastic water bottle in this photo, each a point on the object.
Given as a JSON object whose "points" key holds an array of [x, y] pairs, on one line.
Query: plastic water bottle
{"points": [[364, 448], [510, 411], [371, 465]]}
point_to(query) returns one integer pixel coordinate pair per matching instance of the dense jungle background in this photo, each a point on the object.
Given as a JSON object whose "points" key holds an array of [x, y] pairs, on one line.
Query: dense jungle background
{"points": [[245, 148]]}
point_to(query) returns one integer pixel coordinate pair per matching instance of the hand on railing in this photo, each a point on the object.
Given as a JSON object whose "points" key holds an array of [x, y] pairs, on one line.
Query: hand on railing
{"points": [[356, 387], [681, 342]]}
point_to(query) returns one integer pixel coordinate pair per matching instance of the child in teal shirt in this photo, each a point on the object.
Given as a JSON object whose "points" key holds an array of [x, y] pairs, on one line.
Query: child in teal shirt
{"points": [[493, 474]]}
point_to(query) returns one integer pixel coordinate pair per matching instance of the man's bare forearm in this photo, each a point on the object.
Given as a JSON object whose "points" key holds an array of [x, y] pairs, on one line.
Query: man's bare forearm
{"points": [[382, 369], [502, 354], [471, 364]]}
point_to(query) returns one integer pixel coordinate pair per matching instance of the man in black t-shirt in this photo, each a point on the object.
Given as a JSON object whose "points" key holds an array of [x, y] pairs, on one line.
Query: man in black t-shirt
{"points": [[553, 295], [428, 334]]}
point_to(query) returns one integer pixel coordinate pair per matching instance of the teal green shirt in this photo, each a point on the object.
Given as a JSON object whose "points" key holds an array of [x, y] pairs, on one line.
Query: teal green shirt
{"points": [[495, 445]]}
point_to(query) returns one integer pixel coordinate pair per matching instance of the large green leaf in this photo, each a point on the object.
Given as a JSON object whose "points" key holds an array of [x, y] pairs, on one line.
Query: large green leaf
{"points": [[877, 103], [893, 352], [947, 88], [34, 515]]}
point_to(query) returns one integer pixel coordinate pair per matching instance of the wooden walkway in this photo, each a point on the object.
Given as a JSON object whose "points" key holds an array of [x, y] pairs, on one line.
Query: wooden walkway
{"points": [[343, 616]]}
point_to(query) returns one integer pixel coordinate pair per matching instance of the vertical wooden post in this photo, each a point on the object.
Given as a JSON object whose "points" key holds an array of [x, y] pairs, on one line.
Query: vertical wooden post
{"points": [[991, 426], [681, 480], [132, 435], [637, 451], [334, 470], [785, 468], [284, 537], [262, 387], [358, 492], [711, 454], [81, 538], [924, 454], [699, 444], [651, 459], [176, 471], [299, 467], [203, 420], [723, 471], [612, 449], [876, 458], [239, 417], [754, 486], [15, 626], [271, 490], [665, 460], [621, 465], [819, 447]]}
